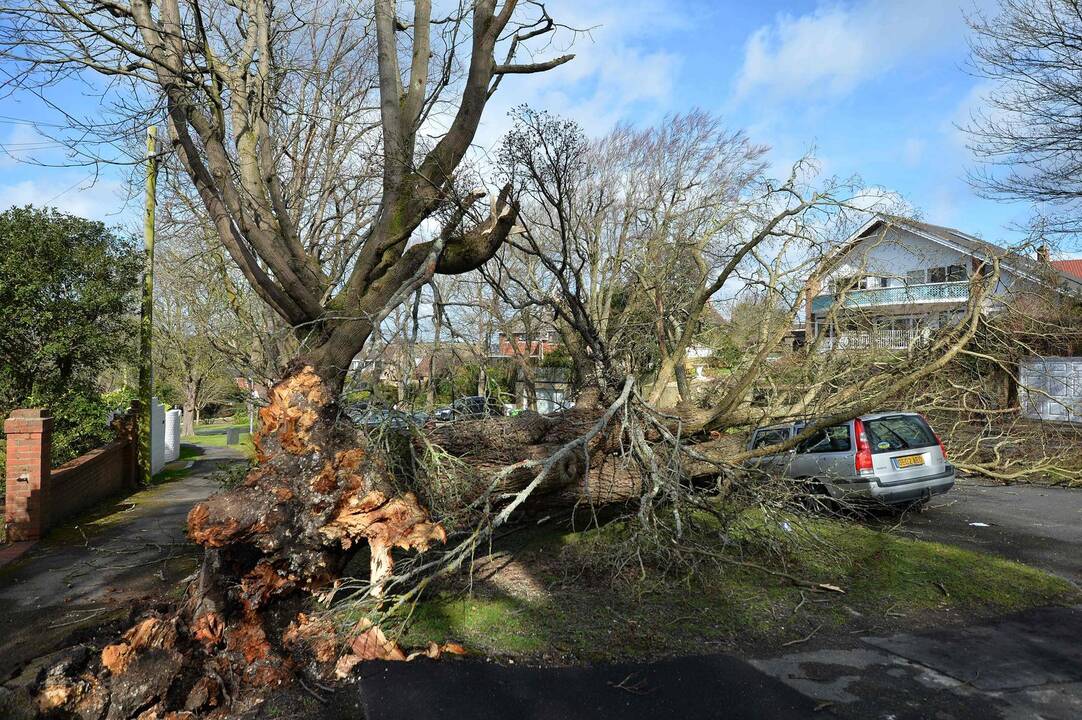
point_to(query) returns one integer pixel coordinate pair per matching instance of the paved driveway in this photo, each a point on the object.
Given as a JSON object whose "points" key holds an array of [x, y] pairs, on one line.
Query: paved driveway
{"points": [[1039, 526], [73, 582]]}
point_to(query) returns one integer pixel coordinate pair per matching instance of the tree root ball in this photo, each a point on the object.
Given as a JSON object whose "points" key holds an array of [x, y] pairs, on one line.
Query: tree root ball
{"points": [[287, 530]]}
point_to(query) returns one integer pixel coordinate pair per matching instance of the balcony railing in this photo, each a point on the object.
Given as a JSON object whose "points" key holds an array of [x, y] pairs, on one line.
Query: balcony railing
{"points": [[882, 339], [905, 295]]}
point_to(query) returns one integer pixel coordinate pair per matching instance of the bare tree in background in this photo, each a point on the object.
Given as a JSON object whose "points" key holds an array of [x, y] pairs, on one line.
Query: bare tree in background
{"points": [[637, 233], [1028, 132], [191, 323]]}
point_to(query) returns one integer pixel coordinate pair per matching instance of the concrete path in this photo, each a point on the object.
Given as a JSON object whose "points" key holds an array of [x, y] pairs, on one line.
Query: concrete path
{"points": [[96, 568], [1039, 526]]}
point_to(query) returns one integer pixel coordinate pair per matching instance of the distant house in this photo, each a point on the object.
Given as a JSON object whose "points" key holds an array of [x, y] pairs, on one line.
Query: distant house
{"points": [[904, 279], [399, 361], [529, 342]]}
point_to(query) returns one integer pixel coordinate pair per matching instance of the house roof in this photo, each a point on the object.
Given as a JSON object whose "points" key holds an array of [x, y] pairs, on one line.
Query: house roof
{"points": [[966, 243], [1071, 267]]}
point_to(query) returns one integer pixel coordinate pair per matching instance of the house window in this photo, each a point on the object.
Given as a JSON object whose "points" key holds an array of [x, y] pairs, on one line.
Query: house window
{"points": [[915, 277], [863, 282], [950, 273]]}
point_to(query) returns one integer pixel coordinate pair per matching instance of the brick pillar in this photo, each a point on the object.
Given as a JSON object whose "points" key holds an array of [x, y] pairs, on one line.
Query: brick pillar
{"points": [[126, 427], [29, 462]]}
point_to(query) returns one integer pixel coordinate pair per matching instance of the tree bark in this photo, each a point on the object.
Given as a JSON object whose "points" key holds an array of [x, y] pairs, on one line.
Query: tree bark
{"points": [[187, 422]]}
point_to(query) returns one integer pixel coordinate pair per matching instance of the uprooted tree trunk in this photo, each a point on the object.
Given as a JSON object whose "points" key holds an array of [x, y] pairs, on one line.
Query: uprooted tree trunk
{"points": [[286, 531], [319, 494]]}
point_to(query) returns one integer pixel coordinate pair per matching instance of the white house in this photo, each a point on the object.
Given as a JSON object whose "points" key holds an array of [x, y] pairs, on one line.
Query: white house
{"points": [[905, 278]]}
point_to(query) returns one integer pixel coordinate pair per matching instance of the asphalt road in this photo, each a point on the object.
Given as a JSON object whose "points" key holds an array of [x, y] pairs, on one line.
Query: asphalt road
{"points": [[1039, 526]]}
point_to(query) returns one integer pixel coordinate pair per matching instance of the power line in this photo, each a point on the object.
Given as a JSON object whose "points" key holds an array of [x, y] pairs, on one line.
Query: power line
{"points": [[8, 120]]}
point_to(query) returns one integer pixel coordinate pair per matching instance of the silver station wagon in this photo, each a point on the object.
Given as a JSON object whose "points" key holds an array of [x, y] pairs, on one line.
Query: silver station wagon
{"points": [[890, 457]]}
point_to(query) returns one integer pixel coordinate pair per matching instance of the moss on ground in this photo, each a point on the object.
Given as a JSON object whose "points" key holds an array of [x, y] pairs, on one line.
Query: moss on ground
{"points": [[888, 582]]}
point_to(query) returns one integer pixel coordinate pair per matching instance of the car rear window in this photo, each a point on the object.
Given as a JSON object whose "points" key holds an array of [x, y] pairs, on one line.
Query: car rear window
{"points": [[831, 439], [898, 432]]}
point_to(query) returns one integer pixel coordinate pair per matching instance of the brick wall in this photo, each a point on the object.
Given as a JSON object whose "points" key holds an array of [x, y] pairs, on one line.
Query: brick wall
{"points": [[39, 497], [87, 480]]}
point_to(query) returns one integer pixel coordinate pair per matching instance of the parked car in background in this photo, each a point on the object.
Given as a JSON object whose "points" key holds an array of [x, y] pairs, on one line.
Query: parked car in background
{"points": [[471, 406], [893, 458], [366, 416]]}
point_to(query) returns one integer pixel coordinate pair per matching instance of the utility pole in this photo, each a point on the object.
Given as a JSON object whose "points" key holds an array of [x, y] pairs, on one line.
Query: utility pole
{"points": [[146, 326]]}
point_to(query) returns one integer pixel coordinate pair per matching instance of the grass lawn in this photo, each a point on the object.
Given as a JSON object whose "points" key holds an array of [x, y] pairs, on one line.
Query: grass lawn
{"points": [[545, 603], [215, 436]]}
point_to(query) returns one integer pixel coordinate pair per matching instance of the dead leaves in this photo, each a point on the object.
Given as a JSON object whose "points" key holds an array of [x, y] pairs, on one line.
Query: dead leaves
{"points": [[434, 651], [370, 643], [315, 633]]}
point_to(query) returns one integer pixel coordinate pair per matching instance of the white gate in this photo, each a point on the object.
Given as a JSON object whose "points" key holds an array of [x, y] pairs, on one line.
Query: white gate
{"points": [[1051, 388]]}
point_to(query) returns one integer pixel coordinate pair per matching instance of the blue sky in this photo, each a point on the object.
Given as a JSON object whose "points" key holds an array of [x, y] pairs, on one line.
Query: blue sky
{"points": [[877, 87]]}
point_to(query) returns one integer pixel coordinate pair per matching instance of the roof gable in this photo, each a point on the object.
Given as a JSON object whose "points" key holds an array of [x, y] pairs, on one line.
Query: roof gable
{"points": [[969, 245]]}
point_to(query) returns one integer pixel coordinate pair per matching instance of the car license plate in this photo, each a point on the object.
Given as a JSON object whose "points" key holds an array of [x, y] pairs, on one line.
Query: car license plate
{"points": [[909, 460]]}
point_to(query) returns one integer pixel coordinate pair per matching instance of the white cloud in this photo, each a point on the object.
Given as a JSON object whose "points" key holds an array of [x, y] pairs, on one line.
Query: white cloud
{"points": [[20, 144], [834, 49], [618, 72], [104, 200], [913, 151]]}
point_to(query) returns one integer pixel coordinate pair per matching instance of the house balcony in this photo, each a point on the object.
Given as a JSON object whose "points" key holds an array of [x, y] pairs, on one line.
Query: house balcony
{"points": [[881, 339], [925, 293]]}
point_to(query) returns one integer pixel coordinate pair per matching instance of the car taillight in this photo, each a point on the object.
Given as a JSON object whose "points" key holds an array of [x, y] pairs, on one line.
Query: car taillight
{"points": [[863, 462], [942, 447]]}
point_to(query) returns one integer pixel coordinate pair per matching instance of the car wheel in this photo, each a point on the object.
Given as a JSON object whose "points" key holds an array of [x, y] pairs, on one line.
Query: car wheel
{"points": [[815, 498]]}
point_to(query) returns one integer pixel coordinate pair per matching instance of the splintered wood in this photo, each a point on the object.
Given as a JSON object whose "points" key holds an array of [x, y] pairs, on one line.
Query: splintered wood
{"points": [[317, 495]]}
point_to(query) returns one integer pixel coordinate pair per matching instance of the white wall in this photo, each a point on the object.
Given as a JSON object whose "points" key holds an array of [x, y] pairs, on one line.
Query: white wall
{"points": [[895, 252], [157, 436], [171, 441]]}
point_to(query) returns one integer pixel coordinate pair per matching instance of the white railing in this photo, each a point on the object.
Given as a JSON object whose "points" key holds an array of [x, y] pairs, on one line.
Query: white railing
{"points": [[875, 339], [957, 291]]}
